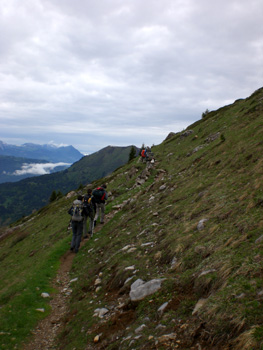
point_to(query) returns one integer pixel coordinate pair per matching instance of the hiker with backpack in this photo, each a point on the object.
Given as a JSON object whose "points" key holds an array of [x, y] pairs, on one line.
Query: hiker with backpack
{"points": [[77, 212], [100, 196], [90, 206]]}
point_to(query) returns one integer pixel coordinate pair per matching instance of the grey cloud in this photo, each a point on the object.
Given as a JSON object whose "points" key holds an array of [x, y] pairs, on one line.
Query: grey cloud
{"points": [[88, 72]]}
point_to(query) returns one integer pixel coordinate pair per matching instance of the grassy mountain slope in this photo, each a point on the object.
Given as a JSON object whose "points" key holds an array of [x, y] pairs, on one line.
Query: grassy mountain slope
{"points": [[21, 198], [193, 220]]}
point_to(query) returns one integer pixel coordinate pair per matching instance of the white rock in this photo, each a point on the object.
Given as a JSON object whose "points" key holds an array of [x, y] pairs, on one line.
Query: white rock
{"points": [[97, 282], [146, 244], [100, 312], [162, 308], [145, 289], [140, 329], [40, 310], [206, 272], [130, 268], [201, 302], [45, 295], [74, 280], [200, 225]]}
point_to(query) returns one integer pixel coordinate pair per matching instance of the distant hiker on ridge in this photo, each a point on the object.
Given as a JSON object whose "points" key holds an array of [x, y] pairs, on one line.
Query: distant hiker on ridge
{"points": [[146, 154], [77, 212], [90, 206], [100, 196]]}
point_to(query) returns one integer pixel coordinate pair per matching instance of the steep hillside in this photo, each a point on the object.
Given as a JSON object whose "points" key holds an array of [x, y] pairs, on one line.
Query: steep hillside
{"points": [[21, 198], [179, 262]]}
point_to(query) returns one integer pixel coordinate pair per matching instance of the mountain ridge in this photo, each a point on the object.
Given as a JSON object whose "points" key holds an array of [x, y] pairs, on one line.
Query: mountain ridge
{"points": [[67, 154]]}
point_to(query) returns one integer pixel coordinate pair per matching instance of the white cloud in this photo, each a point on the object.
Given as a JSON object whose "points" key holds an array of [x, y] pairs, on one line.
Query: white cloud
{"points": [[38, 168]]}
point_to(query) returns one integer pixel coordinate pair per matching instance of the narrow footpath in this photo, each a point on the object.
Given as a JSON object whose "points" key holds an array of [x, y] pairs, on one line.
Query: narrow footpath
{"points": [[44, 335]]}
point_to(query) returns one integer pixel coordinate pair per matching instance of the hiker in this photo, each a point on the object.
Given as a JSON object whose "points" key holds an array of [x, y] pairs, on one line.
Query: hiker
{"points": [[100, 196], [90, 206], [143, 154], [77, 211]]}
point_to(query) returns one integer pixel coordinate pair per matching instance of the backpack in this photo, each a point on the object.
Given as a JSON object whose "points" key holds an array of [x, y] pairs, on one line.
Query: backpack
{"points": [[76, 212], [99, 194], [88, 205], [143, 153]]}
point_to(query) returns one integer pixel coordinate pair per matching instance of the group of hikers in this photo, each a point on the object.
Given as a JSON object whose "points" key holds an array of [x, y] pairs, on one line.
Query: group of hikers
{"points": [[146, 155], [85, 210]]}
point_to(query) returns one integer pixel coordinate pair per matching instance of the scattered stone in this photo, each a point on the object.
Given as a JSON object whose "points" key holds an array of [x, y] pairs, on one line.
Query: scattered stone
{"points": [[100, 312], [97, 338], [162, 188], [206, 272], [201, 302], [167, 337], [174, 262], [147, 244], [45, 295], [97, 282], [131, 250], [40, 310], [150, 337], [140, 329], [186, 133], [200, 225], [162, 308], [130, 268], [74, 280], [140, 290], [127, 247]]}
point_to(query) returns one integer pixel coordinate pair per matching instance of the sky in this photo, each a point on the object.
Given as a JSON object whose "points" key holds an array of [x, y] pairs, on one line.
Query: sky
{"points": [[92, 73]]}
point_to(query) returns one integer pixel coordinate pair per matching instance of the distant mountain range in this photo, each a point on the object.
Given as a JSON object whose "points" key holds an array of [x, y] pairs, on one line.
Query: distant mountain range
{"points": [[21, 198], [50, 153], [27, 160]]}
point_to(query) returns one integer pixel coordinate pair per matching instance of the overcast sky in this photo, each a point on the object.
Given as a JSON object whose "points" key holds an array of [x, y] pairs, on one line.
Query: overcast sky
{"points": [[92, 73]]}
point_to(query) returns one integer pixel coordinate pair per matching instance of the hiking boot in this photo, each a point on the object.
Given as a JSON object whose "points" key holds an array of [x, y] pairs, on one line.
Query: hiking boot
{"points": [[85, 237], [95, 222]]}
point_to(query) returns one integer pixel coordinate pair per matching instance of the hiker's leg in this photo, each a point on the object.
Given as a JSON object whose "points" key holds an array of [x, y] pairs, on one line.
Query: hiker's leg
{"points": [[97, 212], [74, 235], [91, 224], [85, 226], [78, 235], [102, 208]]}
